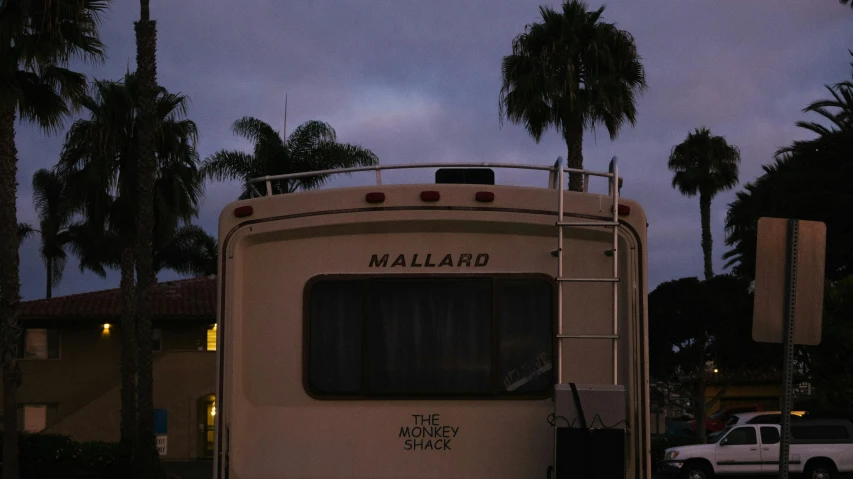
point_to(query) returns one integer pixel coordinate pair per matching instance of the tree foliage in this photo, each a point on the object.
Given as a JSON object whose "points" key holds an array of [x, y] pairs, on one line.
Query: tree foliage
{"points": [[55, 217], [38, 39], [830, 367], [572, 71], [695, 324], [313, 146], [704, 164], [101, 154], [808, 180]]}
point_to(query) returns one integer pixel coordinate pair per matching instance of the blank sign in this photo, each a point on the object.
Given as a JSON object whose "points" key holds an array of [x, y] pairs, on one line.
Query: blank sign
{"points": [[771, 281]]}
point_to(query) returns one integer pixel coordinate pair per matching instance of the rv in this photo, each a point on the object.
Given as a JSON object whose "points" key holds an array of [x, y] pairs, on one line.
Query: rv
{"points": [[458, 329]]}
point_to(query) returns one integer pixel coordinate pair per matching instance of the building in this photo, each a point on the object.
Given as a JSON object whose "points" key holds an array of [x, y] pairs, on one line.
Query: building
{"points": [[70, 362], [748, 389]]}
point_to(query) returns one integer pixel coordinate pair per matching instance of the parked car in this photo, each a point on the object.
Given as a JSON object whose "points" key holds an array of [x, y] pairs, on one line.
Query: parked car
{"points": [[717, 421], [820, 448], [759, 417]]}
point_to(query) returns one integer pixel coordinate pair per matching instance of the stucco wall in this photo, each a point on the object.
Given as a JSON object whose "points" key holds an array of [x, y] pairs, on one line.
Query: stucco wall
{"points": [[181, 378], [82, 386]]}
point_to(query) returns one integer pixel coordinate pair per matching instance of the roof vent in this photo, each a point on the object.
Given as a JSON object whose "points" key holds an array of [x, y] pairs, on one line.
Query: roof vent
{"points": [[465, 176]]}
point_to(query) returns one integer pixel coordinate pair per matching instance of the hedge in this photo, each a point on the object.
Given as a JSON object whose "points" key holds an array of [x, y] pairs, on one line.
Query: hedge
{"points": [[48, 456]]}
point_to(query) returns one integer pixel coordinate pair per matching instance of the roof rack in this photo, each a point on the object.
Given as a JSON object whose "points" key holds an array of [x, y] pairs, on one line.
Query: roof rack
{"points": [[552, 181]]}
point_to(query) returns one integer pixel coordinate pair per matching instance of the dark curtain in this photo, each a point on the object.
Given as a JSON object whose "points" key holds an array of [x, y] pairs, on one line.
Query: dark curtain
{"points": [[335, 336], [430, 336]]}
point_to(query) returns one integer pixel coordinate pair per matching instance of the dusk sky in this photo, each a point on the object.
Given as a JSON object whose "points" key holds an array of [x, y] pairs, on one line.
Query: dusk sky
{"points": [[419, 82]]}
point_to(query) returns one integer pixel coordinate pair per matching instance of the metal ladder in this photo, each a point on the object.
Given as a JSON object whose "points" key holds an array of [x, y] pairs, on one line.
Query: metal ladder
{"points": [[613, 191], [557, 182]]}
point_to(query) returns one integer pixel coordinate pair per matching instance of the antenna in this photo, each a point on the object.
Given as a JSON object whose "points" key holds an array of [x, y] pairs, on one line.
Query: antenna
{"points": [[284, 130]]}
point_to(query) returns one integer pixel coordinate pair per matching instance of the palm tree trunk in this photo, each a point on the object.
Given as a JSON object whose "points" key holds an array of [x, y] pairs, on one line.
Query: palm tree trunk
{"points": [[146, 69], [705, 212], [129, 420], [10, 329], [700, 412], [573, 134], [49, 292]]}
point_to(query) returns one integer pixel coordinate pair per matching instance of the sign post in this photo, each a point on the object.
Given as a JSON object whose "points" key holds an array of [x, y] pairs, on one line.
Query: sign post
{"points": [[788, 308]]}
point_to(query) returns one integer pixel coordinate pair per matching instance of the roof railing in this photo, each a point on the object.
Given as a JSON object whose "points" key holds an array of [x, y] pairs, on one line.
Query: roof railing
{"points": [[552, 181]]}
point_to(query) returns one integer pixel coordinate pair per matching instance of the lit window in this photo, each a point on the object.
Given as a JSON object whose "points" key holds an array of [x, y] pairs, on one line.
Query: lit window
{"points": [[35, 418], [39, 344], [211, 338], [156, 340]]}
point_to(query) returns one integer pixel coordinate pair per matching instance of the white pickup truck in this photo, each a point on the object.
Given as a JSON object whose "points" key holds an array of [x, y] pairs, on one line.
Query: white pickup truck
{"points": [[820, 448]]}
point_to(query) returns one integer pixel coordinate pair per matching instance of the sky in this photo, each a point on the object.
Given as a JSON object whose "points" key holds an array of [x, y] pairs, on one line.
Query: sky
{"points": [[419, 82]]}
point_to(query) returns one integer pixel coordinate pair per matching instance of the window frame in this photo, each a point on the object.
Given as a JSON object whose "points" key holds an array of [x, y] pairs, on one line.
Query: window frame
{"points": [[22, 344], [207, 331], [25, 407], [763, 428], [157, 335], [755, 436], [535, 395]]}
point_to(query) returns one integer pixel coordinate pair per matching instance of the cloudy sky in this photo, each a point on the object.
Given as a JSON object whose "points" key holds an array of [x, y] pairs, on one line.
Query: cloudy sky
{"points": [[419, 81]]}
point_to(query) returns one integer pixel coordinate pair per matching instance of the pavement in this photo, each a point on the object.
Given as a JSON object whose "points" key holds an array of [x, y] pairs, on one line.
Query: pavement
{"points": [[199, 469]]}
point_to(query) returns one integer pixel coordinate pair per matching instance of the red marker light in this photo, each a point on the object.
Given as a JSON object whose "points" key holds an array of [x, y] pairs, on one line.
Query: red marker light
{"points": [[485, 196], [430, 196], [242, 211], [374, 197], [624, 210]]}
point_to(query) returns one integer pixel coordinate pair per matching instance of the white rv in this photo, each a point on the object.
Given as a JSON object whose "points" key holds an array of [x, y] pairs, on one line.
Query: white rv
{"points": [[456, 329]]}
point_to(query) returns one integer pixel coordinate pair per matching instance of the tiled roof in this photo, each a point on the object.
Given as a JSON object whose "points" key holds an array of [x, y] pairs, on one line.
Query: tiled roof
{"points": [[189, 298]]}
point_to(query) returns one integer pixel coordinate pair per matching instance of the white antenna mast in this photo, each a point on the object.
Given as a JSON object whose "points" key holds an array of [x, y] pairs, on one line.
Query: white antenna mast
{"points": [[284, 130]]}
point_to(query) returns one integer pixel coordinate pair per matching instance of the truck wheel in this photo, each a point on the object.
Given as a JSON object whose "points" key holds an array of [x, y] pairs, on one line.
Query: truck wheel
{"points": [[820, 470], [696, 470]]}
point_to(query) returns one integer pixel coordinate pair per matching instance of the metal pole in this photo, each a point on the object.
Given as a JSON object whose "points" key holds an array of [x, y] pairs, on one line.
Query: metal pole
{"points": [[788, 346]]}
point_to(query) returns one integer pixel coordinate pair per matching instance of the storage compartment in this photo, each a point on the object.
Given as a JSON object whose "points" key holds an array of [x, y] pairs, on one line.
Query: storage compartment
{"points": [[591, 431]]}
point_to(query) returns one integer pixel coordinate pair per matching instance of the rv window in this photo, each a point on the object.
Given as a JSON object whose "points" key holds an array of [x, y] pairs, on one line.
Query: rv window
{"points": [[423, 337], [336, 336]]}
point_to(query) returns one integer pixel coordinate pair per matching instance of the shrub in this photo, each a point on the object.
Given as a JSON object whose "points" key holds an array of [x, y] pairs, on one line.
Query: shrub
{"points": [[45, 456]]}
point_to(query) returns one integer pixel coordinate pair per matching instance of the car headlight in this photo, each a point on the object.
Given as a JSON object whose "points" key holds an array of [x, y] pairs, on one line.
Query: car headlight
{"points": [[671, 454]]}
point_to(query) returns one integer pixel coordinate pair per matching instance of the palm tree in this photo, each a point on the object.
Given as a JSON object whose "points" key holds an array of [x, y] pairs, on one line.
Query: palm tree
{"points": [[572, 72], [312, 146], [37, 40], [807, 180], [55, 215], [706, 165], [836, 110], [146, 68], [100, 161], [189, 250]]}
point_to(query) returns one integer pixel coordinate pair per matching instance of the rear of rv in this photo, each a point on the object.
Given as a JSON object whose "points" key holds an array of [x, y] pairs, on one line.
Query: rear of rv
{"points": [[416, 336]]}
